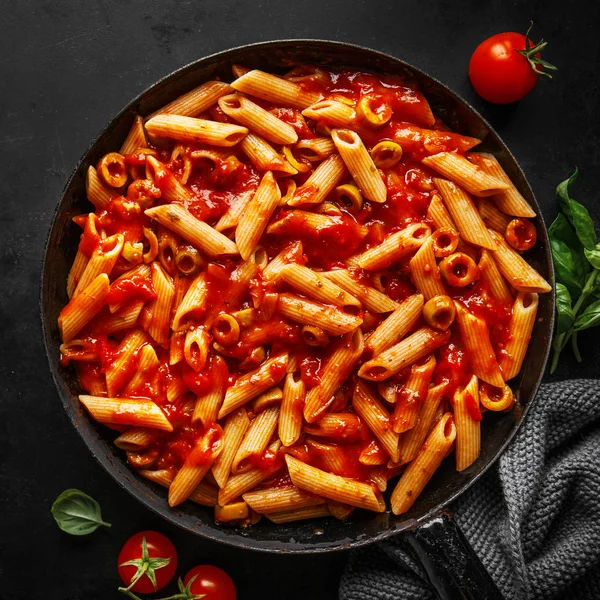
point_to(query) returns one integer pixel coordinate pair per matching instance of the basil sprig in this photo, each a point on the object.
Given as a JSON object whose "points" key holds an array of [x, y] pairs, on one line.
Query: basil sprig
{"points": [[76, 513], [576, 257]]}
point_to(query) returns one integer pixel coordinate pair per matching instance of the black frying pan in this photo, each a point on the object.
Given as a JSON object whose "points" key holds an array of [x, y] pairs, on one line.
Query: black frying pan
{"points": [[453, 567]]}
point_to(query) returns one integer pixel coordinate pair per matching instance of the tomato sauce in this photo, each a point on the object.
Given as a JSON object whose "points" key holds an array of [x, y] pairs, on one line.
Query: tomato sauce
{"points": [[219, 185]]}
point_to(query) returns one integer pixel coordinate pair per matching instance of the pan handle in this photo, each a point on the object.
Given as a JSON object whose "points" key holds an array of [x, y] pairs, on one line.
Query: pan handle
{"points": [[452, 566]]}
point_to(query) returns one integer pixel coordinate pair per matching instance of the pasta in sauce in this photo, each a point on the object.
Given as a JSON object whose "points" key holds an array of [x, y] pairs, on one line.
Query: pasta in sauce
{"points": [[295, 289]]}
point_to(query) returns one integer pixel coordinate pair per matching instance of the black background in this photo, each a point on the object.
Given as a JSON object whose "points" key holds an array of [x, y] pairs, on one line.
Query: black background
{"points": [[66, 67]]}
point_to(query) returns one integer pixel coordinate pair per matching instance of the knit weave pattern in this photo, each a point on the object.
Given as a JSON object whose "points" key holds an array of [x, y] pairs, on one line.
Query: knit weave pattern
{"points": [[533, 519]]}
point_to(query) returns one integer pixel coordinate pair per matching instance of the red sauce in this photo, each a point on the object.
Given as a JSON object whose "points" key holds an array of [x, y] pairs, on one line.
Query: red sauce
{"points": [[130, 290], [222, 182]]}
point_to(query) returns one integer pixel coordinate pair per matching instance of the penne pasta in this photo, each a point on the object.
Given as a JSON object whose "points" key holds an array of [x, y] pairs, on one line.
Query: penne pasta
{"points": [[97, 192], [336, 371], [334, 487], [371, 298], [136, 138], [263, 156], [466, 418], [412, 396], [198, 131], [476, 339], [254, 220], [394, 247], [299, 514], [204, 494], [255, 442], [519, 273], [491, 278], [274, 89], [305, 312], [464, 213], [360, 164], [465, 174], [82, 309], [374, 414], [396, 326], [237, 485], [199, 234], [321, 182], [292, 407], [315, 149], [521, 325], [492, 216], [127, 355], [332, 112], [425, 272], [509, 201], [315, 286], [196, 466], [281, 500], [234, 430], [257, 119], [403, 354], [102, 261], [161, 307], [253, 384], [413, 439], [195, 101], [140, 412], [421, 469]]}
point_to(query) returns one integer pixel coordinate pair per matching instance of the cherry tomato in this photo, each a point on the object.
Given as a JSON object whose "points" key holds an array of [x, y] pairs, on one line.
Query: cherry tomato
{"points": [[212, 581], [158, 557], [505, 67]]}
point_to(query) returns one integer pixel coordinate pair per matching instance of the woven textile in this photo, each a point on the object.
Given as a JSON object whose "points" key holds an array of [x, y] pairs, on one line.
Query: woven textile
{"points": [[533, 519]]}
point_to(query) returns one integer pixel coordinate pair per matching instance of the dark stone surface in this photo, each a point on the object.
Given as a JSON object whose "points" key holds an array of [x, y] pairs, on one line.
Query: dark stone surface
{"points": [[65, 68]]}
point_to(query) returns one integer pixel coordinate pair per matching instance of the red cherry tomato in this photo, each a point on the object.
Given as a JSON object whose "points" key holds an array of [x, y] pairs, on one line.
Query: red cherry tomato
{"points": [[504, 68], [212, 581], [158, 547]]}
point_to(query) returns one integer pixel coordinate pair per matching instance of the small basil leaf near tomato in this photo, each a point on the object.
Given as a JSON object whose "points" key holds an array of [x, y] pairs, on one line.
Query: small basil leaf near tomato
{"points": [[77, 513], [505, 67], [147, 562], [211, 581]]}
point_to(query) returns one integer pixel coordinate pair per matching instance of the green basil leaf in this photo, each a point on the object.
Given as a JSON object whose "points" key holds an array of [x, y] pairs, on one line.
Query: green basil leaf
{"points": [[76, 513], [565, 316], [577, 214], [567, 253], [590, 317], [593, 256], [562, 192]]}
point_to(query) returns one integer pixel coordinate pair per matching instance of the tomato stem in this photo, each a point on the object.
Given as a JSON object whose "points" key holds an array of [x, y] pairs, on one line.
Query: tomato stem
{"points": [[531, 54]]}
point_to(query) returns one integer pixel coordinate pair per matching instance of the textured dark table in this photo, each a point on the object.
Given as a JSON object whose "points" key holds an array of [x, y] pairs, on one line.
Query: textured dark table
{"points": [[65, 68]]}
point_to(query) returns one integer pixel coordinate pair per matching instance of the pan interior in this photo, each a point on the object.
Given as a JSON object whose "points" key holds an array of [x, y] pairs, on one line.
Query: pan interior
{"points": [[305, 536]]}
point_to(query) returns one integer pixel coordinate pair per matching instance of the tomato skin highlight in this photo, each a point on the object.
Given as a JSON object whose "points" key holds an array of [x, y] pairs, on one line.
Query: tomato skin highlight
{"points": [[212, 581], [498, 72], [159, 546]]}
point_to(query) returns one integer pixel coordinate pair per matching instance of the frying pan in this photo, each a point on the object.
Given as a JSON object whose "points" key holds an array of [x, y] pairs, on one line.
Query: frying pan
{"points": [[452, 566]]}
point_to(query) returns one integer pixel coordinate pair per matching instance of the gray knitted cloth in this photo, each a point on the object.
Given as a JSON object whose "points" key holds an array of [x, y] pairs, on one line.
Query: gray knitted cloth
{"points": [[534, 519]]}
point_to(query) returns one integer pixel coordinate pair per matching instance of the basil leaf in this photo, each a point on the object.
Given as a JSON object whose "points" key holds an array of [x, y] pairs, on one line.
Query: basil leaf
{"points": [[567, 253], [593, 256], [565, 316], [577, 213], [590, 317], [76, 513]]}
